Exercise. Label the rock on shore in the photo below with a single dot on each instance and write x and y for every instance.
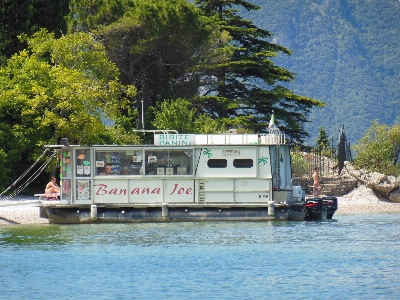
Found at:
(387, 185)
(364, 200)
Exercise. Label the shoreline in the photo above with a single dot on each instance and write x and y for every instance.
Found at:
(25, 210)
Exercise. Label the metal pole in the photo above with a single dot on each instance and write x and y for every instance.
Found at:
(142, 117)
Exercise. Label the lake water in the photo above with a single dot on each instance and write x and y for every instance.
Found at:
(351, 257)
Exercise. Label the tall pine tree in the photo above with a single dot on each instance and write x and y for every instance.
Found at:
(246, 88)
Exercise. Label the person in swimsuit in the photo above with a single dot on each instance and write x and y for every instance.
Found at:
(316, 185)
(52, 188)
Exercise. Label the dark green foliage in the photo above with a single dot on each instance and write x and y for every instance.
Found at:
(248, 86)
(155, 45)
(27, 16)
(88, 14)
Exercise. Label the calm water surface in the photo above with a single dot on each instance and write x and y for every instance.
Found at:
(352, 257)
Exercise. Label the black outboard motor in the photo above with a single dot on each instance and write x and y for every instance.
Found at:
(331, 204)
(314, 207)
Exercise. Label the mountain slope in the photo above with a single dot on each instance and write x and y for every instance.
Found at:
(345, 53)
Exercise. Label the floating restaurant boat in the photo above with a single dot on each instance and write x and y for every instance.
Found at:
(181, 177)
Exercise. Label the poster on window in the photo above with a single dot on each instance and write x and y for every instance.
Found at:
(79, 169)
(136, 158)
(83, 189)
(152, 159)
(86, 170)
(66, 189)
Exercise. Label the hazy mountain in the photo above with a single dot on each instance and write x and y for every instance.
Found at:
(346, 53)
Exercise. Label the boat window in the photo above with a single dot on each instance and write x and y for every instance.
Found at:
(169, 162)
(119, 162)
(217, 163)
(156, 161)
(82, 162)
(243, 163)
(66, 172)
(144, 162)
(66, 162)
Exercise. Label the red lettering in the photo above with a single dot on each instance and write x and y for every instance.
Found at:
(135, 191)
(102, 189)
(175, 187)
(156, 191)
(180, 191)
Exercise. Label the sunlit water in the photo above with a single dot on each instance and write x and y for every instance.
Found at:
(351, 257)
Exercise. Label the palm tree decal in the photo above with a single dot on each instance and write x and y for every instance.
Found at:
(207, 152)
(263, 160)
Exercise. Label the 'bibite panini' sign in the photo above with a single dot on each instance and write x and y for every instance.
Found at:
(174, 139)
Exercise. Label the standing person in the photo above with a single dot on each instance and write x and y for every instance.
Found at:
(316, 185)
(52, 188)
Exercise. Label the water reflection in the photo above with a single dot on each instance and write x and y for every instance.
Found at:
(149, 234)
(28, 235)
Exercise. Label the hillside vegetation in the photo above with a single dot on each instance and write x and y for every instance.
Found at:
(345, 53)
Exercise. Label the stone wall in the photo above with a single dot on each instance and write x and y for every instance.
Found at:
(336, 186)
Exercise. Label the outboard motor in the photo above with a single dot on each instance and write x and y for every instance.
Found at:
(314, 207)
(331, 204)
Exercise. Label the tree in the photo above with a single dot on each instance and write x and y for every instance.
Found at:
(246, 88)
(86, 15)
(154, 45)
(376, 151)
(394, 138)
(56, 88)
(11, 146)
(181, 116)
(322, 140)
(26, 17)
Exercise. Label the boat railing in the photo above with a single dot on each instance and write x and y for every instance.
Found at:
(273, 139)
(240, 139)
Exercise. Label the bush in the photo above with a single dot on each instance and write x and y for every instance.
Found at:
(376, 151)
(299, 164)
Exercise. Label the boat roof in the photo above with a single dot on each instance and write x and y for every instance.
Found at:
(176, 139)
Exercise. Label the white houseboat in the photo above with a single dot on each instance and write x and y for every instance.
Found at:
(181, 177)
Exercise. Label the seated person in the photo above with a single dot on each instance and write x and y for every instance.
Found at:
(52, 188)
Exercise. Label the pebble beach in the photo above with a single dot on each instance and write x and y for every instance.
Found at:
(20, 210)
(25, 210)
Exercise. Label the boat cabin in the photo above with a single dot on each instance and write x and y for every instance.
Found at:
(178, 168)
